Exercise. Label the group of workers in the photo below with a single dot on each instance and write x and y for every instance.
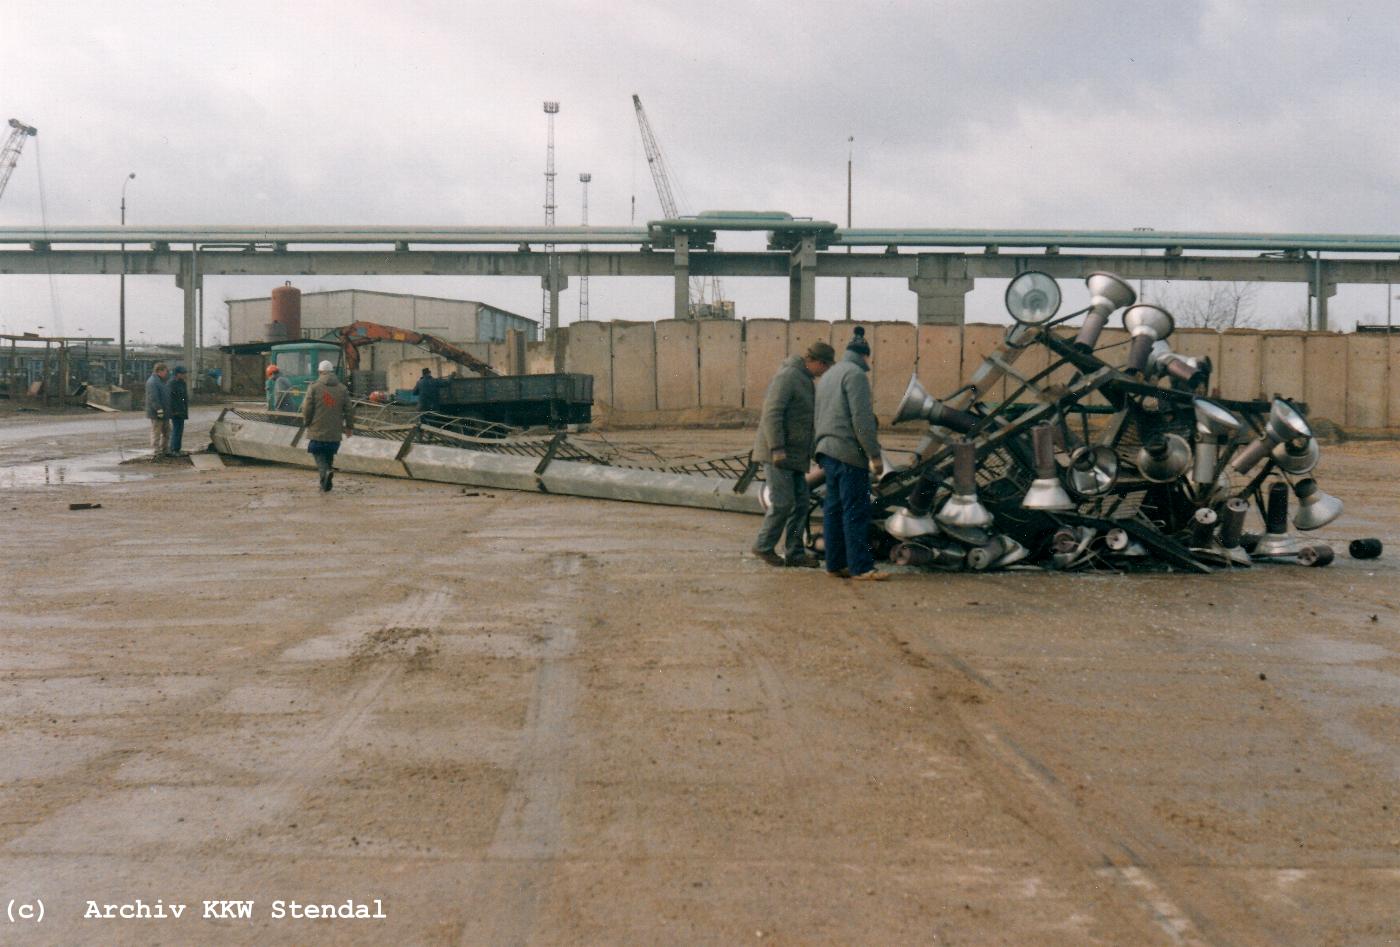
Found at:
(167, 408)
(817, 407)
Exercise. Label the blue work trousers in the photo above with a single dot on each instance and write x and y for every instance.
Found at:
(846, 517)
(788, 498)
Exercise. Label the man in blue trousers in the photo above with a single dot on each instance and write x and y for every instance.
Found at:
(849, 452)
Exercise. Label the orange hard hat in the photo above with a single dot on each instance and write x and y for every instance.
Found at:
(271, 370)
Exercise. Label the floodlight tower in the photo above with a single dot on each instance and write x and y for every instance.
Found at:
(584, 178)
(550, 312)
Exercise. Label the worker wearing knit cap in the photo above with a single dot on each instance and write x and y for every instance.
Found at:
(848, 449)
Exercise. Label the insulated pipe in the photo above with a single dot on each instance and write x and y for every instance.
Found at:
(1202, 526)
(965, 468)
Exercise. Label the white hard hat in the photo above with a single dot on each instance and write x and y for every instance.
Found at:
(326, 367)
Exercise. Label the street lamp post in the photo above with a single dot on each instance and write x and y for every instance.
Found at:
(121, 311)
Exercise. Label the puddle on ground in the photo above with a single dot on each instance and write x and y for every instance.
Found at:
(88, 468)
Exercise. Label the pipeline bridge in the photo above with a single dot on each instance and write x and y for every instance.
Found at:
(939, 265)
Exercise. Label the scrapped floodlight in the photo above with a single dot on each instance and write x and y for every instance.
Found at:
(1186, 368)
(1298, 456)
(1276, 542)
(918, 404)
(1315, 508)
(1214, 426)
(1284, 424)
(1118, 542)
(1232, 530)
(1316, 555)
(998, 553)
(934, 555)
(1045, 492)
(1093, 470)
(1164, 458)
(1107, 294)
(1146, 324)
(963, 509)
(1369, 548)
(1033, 298)
(902, 524)
(1203, 527)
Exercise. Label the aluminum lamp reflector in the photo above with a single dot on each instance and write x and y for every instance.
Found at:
(1093, 471)
(917, 404)
(1033, 298)
(1045, 492)
(1107, 294)
(1315, 508)
(1284, 424)
(1146, 324)
(1164, 458)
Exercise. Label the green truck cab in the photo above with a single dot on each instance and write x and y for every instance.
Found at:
(297, 362)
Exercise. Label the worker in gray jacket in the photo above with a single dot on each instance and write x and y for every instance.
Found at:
(784, 447)
(158, 409)
(328, 415)
(849, 452)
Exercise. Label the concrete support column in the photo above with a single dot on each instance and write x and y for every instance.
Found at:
(680, 306)
(802, 281)
(1320, 289)
(189, 281)
(942, 300)
(555, 282)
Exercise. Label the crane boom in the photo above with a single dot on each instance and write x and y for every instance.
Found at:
(661, 177)
(9, 153)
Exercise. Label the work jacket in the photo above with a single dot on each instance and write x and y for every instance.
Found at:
(326, 409)
(157, 397)
(179, 400)
(786, 421)
(845, 415)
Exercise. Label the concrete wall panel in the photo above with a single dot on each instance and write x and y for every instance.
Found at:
(677, 365)
(589, 351)
(1283, 365)
(940, 358)
(634, 366)
(765, 347)
(895, 353)
(1241, 365)
(1393, 384)
(721, 344)
(1324, 384)
(1366, 365)
(804, 333)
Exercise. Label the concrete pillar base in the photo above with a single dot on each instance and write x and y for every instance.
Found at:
(942, 301)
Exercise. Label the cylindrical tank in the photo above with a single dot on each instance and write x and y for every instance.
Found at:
(285, 325)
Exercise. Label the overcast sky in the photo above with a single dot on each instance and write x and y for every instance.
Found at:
(1225, 115)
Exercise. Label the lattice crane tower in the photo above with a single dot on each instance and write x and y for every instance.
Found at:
(9, 152)
(550, 109)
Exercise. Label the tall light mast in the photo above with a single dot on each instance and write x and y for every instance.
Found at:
(550, 313)
(584, 178)
(9, 152)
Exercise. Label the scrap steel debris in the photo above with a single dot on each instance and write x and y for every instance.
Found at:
(1088, 463)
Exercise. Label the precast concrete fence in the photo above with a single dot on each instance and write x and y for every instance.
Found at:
(1351, 379)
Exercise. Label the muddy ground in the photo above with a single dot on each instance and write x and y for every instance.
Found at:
(512, 718)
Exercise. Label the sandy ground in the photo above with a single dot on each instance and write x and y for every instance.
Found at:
(512, 718)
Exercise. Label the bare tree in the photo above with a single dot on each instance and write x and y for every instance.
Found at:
(1216, 306)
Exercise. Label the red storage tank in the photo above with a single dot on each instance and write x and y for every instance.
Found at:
(286, 315)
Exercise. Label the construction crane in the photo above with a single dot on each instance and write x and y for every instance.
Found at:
(9, 154)
(706, 297)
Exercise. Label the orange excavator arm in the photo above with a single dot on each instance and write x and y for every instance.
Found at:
(359, 334)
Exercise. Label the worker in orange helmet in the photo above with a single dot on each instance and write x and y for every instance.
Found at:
(279, 390)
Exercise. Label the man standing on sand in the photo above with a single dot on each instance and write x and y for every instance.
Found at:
(179, 409)
(158, 409)
(327, 413)
(426, 390)
(784, 447)
(278, 389)
(849, 451)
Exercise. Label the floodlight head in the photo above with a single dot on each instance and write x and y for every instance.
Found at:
(1164, 458)
(918, 404)
(1315, 508)
(1276, 542)
(1214, 425)
(1285, 424)
(1297, 456)
(1033, 298)
(1045, 492)
(1146, 324)
(1163, 361)
(903, 524)
(1092, 470)
(1214, 421)
(963, 510)
(1107, 293)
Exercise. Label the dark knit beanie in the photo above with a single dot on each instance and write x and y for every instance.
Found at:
(858, 343)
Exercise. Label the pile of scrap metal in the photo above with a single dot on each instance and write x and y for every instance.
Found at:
(1122, 466)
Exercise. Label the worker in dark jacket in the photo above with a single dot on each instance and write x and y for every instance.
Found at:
(426, 390)
(784, 447)
(849, 452)
(328, 415)
(179, 408)
(158, 409)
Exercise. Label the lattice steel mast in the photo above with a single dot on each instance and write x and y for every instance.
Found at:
(584, 178)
